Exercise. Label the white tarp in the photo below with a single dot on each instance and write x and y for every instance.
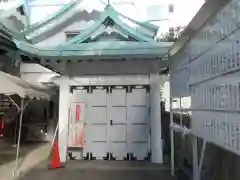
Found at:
(10, 85)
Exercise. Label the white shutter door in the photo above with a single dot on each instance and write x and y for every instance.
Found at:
(117, 123)
(138, 123)
(96, 124)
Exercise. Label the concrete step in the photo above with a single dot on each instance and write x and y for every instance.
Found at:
(115, 165)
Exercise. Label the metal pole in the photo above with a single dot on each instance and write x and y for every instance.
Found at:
(202, 158)
(55, 134)
(19, 137)
(180, 111)
(15, 132)
(15, 129)
(171, 129)
(172, 140)
(14, 103)
(195, 158)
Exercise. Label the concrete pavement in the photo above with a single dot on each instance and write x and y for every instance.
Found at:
(30, 156)
(102, 170)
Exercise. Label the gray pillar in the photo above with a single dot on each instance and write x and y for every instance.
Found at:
(155, 118)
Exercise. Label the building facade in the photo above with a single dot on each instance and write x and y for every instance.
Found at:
(107, 69)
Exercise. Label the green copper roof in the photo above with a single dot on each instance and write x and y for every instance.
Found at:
(56, 15)
(36, 32)
(13, 34)
(135, 42)
(114, 16)
(98, 49)
(147, 25)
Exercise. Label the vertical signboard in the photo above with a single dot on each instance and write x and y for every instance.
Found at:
(76, 125)
(78, 111)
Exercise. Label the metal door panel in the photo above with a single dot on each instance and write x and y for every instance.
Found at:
(97, 98)
(118, 133)
(95, 133)
(138, 133)
(117, 114)
(80, 96)
(96, 115)
(86, 148)
(138, 114)
(118, 149)
(117, 123)
(96, 124)
(98, 149)
(140, 150)
(137, 97)
(117, 97)
(87, 132)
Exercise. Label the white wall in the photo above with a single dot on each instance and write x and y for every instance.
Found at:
(110, 68)
(36, 73)
(110, 80)
(64, 96)
(59, 37)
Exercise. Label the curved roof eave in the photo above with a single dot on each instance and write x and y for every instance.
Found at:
(13, 35)
(136, 34)
(98, 49)
(109, 12)
(85, 34)
(55, 16)
(146, 25)
(150, 27)
(7, 45)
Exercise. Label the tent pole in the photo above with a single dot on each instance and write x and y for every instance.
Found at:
(55, 134)
(15, 129)
(19, 136)
(14, 103)
(15, 132)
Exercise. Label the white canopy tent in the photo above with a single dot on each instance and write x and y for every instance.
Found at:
(11, 85)
(14, 85)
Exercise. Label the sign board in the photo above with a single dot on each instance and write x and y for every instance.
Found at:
(76, 125)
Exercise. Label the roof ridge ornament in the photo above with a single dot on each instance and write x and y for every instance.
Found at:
(107, 5)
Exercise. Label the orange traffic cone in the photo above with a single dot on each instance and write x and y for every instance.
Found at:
(55, 162)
